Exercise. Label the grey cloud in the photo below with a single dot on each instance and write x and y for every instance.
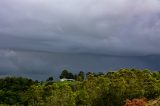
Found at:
(40, 65)
(118, 27)
(41, 37)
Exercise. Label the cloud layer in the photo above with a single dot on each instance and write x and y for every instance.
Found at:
(117, 27)
(39, 38)
(41, 65)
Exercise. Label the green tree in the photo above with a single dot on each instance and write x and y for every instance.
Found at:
(81, 76)
(50, 79)
(66, 74)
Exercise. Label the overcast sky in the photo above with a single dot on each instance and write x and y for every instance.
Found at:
(92, 27)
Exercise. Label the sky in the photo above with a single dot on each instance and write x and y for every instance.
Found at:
(42, 37)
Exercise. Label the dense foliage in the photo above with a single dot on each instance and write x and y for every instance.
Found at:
(119, 88)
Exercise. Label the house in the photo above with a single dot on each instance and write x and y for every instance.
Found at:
(65, 79)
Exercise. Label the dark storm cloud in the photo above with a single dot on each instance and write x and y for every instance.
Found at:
(40, 65)
(118, 27)
(39, 38)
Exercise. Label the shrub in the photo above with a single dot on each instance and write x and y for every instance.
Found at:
(136, 102)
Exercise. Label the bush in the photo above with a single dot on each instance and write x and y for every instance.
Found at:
(136, 102)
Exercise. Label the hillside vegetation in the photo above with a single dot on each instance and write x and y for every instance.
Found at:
(125, 87)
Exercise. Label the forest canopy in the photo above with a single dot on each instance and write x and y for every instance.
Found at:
(118, 88)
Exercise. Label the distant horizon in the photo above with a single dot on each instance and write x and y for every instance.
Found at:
(58, 78)
(40, 65)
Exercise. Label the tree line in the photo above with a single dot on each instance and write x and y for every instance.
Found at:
(78, 77)
(125, 87)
